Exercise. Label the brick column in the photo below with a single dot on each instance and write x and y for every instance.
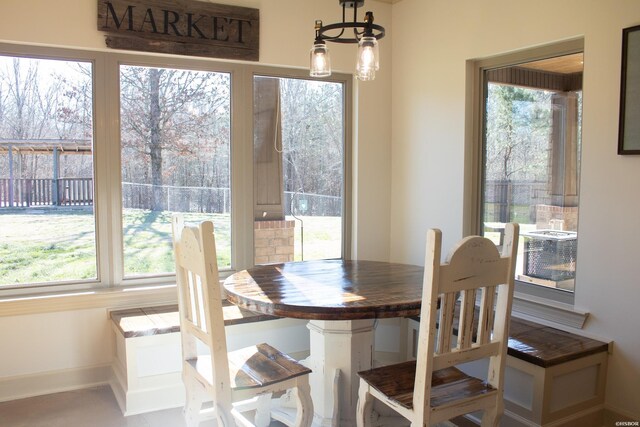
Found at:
(273, 241)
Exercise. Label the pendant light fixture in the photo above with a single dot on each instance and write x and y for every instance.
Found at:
(366, 34)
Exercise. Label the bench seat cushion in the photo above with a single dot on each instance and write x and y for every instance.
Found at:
(145, 321)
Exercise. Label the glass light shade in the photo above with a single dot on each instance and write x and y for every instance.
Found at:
(368, 61)
(366, 75)
(320, 65)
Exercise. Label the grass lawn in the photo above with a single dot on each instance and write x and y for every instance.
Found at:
(39, 247)
(59, 245)
(322, 237)
(147, 240)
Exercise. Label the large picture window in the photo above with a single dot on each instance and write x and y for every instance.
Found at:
(298, 169)
(98, 150)
(531, 165)
(47, 221)
(175, 148)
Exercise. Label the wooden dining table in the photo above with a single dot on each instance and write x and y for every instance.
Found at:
(341, 299)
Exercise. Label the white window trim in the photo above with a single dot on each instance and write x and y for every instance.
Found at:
(550, 312)
(547, 306)
(111, 288)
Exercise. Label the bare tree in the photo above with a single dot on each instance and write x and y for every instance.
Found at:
(183, 113)
(312, 136)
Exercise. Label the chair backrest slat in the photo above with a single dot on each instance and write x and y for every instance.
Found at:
(445, 323)
(474, 265)
(465, 323)
(485, 321)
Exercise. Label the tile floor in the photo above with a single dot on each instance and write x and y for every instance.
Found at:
(93, 407)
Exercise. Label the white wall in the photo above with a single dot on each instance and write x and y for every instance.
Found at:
(53, 351)
(432, 40)
(75, 340)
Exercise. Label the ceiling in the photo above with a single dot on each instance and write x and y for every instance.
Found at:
(567, 64)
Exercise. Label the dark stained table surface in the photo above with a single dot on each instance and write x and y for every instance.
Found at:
(329, 289)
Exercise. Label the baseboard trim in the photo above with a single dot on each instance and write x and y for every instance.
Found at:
(592, 417)
(148, 400)
(613, 414)
(163, 394)
(23, 386)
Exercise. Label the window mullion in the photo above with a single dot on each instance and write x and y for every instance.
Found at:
(241, 170)
(112, 224)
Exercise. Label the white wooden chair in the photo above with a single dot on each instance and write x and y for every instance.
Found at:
(221, 377)
(431, 389)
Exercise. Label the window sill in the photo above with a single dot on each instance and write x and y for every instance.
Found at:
(113, 298)
(547, 312)
(528, 307)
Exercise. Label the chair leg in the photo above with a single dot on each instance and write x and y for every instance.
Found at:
(491, 417)
(224, 418)
(263, 411)
(193, 403)
(365, 406)
(304, 404)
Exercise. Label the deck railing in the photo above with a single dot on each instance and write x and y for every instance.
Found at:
(27, 192)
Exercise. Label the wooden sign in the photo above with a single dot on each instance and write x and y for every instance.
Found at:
(181, 27)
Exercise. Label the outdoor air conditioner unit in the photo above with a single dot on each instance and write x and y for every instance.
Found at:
(550, 254)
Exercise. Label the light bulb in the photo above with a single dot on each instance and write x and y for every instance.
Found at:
(368, 61)
(320, 61)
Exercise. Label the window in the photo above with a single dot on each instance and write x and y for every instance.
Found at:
(47, 221)
(175, 157)
(98, 150)
(298, 169)
(531, 166)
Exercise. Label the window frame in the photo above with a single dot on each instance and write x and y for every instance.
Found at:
(99, 166)
(346, 81)
(107, 171)
(533, 301)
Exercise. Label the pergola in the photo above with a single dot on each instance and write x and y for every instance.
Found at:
(55, 147)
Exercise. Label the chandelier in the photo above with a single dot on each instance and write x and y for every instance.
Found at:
(365, 33)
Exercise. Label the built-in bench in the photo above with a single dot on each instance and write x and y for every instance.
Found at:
(553, 377)
(147, 361)
(145, 321)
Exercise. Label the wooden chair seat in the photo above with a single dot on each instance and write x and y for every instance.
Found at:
(447, 385)
(252, 367)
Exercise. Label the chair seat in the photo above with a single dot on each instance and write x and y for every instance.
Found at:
(253, 367)
(447, 385)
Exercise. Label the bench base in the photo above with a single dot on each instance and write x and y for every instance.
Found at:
(568, 394)
(546, 388)
(147, 370)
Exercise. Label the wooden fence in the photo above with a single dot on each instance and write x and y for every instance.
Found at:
(505, 194)
(46, 192)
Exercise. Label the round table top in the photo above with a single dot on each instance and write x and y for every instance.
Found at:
(329, 289)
